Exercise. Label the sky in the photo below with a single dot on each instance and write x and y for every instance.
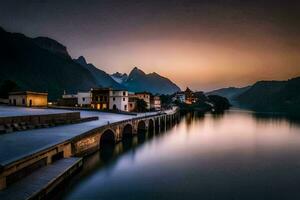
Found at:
(204, 44)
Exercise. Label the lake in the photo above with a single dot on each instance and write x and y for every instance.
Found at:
(235, 155)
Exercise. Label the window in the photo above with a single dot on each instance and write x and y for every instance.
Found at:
(125, 107)
(23, 101)
(83, 99)
(130, 105)
(123, 99)
(114, 98)
(124, 93)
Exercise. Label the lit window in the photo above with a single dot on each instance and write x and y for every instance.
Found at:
(104, 106)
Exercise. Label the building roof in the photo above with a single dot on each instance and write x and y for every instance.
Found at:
(143, 93)
(28, 92)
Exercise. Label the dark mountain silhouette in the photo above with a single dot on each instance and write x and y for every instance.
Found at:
(138, 81)
(41, 64)
(230, 92)
(102, 78)
(274, 96)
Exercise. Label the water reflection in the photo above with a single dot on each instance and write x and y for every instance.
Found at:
(235, 155)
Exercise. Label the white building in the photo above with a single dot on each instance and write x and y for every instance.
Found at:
(118, 100)
(84, 99)
(180, 96)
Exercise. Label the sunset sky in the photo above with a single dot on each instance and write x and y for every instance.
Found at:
(202, 44)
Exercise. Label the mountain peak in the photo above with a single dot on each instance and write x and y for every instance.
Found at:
(81, 60)
(136, 72)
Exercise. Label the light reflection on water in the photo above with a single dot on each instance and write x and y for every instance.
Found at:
(235, 155)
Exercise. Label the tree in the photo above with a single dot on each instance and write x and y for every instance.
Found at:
(220, 103)
(141, 105)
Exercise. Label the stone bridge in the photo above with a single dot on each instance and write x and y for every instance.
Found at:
(86, 143)
(116, 132)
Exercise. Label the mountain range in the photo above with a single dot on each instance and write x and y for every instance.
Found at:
(139, 81)
(270, 96)
(43, 64)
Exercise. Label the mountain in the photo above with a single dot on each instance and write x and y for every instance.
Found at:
(230, 93)
(274, 96)
(44, 65)
(102, 78)
(41, 64)
(138, 81)
(119, 77)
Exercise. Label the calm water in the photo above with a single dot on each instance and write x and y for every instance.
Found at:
(238, 155)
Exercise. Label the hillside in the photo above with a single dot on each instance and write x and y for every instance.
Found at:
(41, 64)
(274, 96)
(230, 92)
(102, 78)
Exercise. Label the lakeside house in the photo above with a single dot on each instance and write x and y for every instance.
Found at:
(155, 103)
(180, 97)
(110, 99)
(187, 96)
(68, 100)
(132, 103)
(118, 100)
(144, 96)
(28, 99)
(100, 98)
(190, 96)
(84, 99)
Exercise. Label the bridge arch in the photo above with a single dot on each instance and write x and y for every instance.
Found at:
(151, 127)
(127, 131)
(141, 127)
(107, 138)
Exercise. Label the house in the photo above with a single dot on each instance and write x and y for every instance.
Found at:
(84, 99)
(28, 99)
(190, 96)
(118, 100)
(132, 104)
(69, 100)
(144, 96)
(180, 97)
(100, 98)
(155, 103)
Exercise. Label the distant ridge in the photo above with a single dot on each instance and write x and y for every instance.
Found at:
(230, 93)
(139, 81)
(269, 96)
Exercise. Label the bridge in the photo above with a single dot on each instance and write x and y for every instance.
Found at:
(116, 132)
(23, 154)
